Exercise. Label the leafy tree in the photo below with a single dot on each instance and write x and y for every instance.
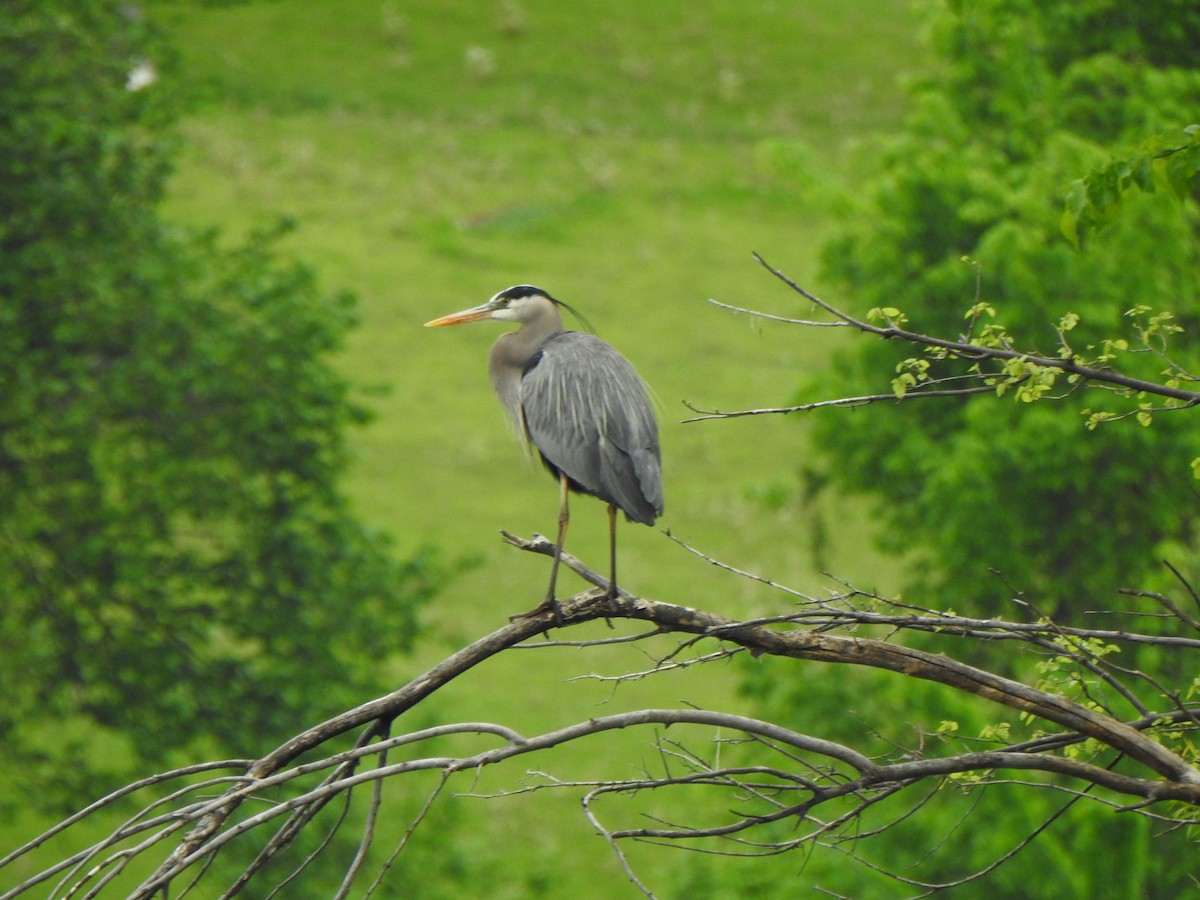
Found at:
(966, 207)
(176, 561)
(1000, 830)
(961, 235)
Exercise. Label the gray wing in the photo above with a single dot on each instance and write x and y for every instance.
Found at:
(586, 410)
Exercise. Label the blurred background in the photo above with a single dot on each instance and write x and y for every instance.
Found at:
(349, 171)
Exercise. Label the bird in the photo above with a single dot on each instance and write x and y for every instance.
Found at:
(581, 405)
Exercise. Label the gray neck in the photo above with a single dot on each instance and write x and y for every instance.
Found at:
(506, 362)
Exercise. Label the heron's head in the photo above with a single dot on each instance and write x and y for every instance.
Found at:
(522, 303)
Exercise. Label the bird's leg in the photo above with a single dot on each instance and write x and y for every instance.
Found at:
(564, 517)
(612, 551)
(612, 556)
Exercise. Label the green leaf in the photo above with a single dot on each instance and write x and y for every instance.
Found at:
(1168, 161)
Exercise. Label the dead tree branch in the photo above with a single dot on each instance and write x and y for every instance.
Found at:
(809, 774)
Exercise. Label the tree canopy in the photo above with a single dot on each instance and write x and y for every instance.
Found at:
(1040, 200)
(177, 562)
(967, 207)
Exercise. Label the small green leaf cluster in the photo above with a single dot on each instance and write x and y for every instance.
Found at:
(1166, 162)
(889, 314)
(1032, 381)
(1062, 667)
(912, 371)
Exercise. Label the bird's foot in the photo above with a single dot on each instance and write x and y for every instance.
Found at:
(611, 595)
(611, 606)
(549, 605)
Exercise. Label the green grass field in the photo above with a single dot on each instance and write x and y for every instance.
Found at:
(628, 158)
(630, 164)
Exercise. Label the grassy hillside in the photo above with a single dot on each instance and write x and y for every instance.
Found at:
(628, 157)
(434, 153)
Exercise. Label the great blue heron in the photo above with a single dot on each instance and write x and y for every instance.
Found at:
(582, 405)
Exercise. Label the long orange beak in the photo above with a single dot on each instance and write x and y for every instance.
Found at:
(475, 314)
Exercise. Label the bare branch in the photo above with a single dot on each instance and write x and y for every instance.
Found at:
(814, 773)
(963, 349)
(915, 394)
(811, 323)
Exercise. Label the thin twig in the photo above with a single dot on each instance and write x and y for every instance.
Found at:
(973, 351)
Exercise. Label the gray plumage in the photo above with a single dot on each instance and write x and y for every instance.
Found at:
(585, 410)
(578, 402)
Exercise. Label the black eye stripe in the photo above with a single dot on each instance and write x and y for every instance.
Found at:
(519, 291)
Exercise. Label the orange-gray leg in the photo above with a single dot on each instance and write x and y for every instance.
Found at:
(564, 516)
(612, 551)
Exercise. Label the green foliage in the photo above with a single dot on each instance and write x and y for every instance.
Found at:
(942, 832)
(1169, 162)
(965, 213)
(177, 562)
(1046, 491)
